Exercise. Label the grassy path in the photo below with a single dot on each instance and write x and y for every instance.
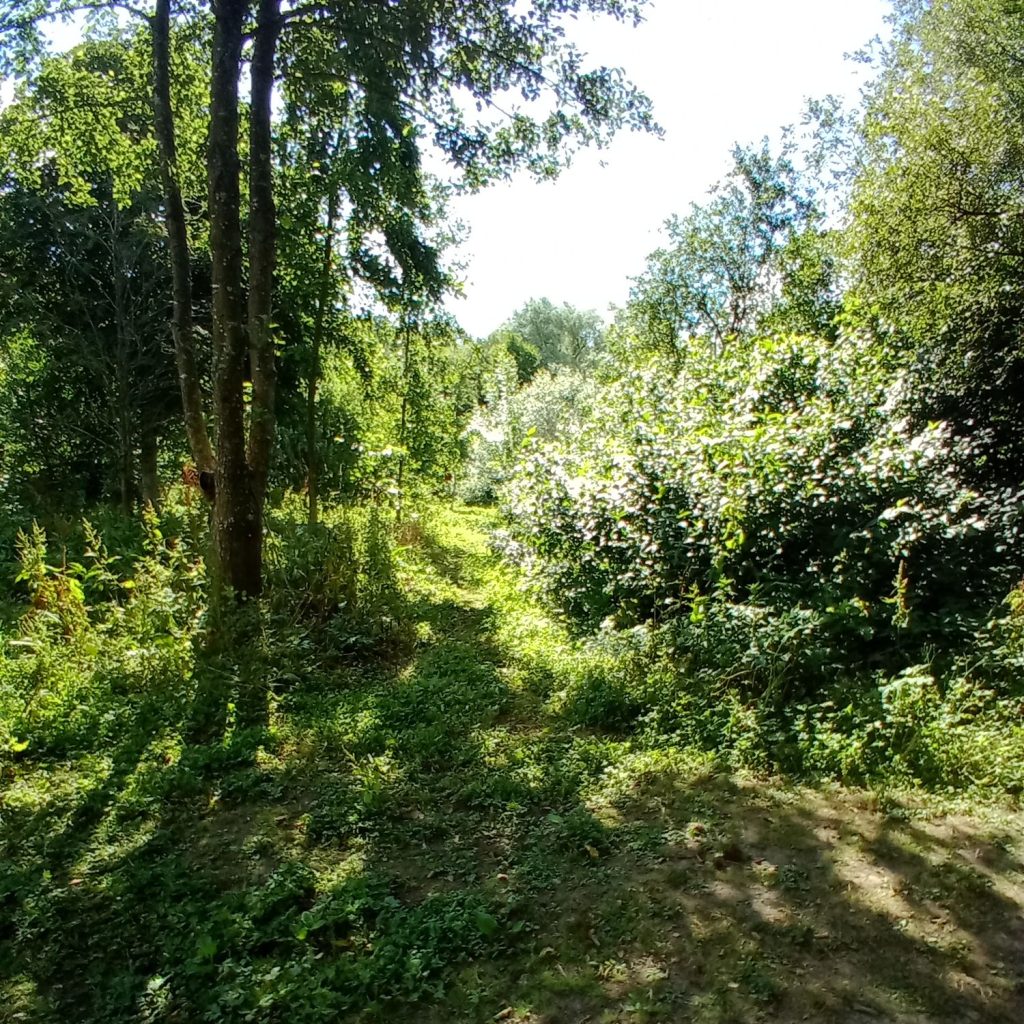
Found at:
(426, 838)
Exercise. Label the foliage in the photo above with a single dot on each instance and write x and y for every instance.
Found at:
(770, 524)
(935, 216)
(284, 829)
(541, 334)
(392, 402)
(79, 219)
(771, 476)
(384, 85)
(752, 258)
(550, 405)
(337, 575)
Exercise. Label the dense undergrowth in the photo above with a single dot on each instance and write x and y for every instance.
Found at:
(706, 705)
(391, 788)
(763, 560)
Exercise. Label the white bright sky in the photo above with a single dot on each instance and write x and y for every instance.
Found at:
(719, 72)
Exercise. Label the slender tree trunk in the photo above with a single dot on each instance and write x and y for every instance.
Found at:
(126, 460)
(312, 439)
(239, 324)
(126, 475)
(405, 410)
(125, 433)
(262, 243)
(177, 242)
(236, 507)
(148, 471)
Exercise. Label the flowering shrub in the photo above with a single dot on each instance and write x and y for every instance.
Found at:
(777, 477)
(552, 403)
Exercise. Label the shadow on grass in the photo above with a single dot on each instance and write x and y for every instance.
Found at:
(723, 903)
(423, 840)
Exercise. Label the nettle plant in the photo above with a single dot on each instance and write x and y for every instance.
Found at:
(775, 474)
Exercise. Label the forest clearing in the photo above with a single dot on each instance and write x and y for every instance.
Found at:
(660, 664)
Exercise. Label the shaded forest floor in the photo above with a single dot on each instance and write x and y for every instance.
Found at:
(422, 838)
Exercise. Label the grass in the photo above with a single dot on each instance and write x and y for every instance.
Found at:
(433, 832)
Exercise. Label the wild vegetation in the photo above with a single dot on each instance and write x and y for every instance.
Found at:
(356, 669)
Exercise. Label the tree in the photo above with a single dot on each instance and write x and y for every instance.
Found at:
(406, 68)
(732, 260)
(937, 216)
(102, 366)
(559, 335)
(84, 276)
(326, 153)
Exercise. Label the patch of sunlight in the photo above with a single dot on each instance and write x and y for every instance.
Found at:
(125, 829)
(465, 529)
(20, 998)
(155, 1001)
(55, 794)
(268, 762)
(142, 786)
(604, 813)
(375, 771)
(680, 767)
(881, 890)
(503, 746)
(531, 775)
(409, 673)
(51, 786)
(344, 725)
(618, 977)
(333, 871)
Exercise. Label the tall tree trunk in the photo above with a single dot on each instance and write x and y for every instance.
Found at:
(262, 243)
(177, 242)
(326, 279)
(406, 330)
(148, 471)
(240, 468)
(124, 339)
(236, 506)
(126, 454)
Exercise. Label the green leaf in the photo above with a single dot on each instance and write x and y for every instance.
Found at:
(486, 924)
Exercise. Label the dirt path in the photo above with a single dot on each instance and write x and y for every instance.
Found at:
(681, 894)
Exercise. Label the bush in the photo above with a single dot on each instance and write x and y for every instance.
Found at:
(553, 403)
(98, 650)
(770, 478)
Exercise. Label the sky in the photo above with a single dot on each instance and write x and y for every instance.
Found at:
(718, 72)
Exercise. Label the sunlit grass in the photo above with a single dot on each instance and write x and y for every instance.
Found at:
(439, 833)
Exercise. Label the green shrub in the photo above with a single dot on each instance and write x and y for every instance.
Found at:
(96, 653)
(769, 481)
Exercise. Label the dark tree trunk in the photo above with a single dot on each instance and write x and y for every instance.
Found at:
(148, 471)
(242, 468)
(236, 516)
(406, 329)
(177, 242)
(126, 474)
(240, 325)
(312, 439)
(125, 431)
(126, 457)
(262, 244)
